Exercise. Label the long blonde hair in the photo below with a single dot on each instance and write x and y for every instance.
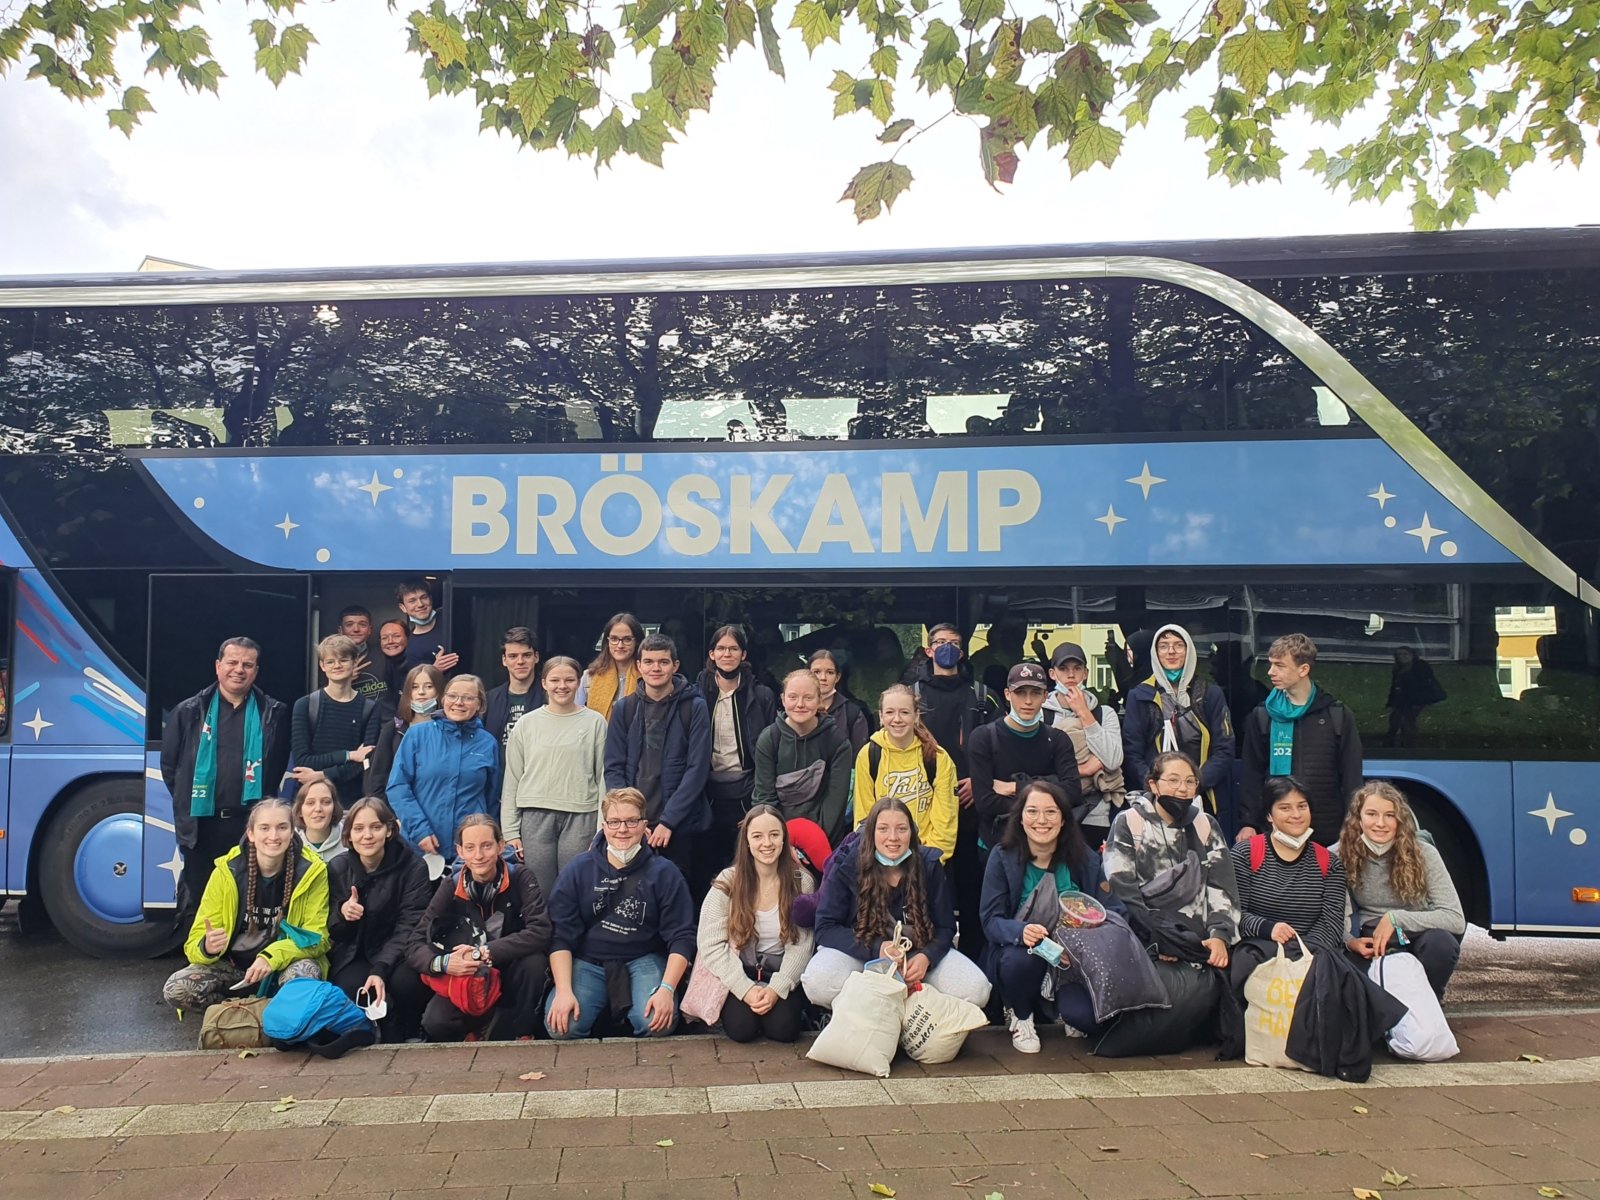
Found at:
(1407, 874)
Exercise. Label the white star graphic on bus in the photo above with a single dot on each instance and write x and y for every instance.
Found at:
(38, 724)
(1549, 814)
(1111, 520)
(373, 488)
(175, 865)
(1382, 495)
(1145, 480)
(1426, 532)
(287, 526)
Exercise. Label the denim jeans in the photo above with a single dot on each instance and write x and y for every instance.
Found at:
(589, 986)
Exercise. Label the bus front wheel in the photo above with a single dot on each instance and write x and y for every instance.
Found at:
(90, 873)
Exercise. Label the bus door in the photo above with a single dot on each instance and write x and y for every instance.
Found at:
(190, 617)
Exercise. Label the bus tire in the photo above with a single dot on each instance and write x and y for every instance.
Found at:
(89, 869)
(1459, 849)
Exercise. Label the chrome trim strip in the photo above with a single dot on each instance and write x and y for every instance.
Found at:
(1353, 388)
(1546, 928)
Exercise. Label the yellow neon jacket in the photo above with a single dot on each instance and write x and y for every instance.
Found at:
(307, 909)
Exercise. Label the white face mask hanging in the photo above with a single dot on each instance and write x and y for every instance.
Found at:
(1293, 843)
(1377, 849)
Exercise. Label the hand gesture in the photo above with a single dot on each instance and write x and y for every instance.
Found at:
(375, 989)
(893, 952)
(352, 909)
(760, 999)
(1246, 832)
(445, 660)
(258, 970)
(304, 775)
(1032, 935)
(215, 941)
(1363, 946)
(562, 1012)
(1079, 704)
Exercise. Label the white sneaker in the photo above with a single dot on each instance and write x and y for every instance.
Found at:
(1024, 1036)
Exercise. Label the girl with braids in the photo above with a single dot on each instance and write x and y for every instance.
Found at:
(880, 877)
(748, 938)
(1403, 896)
(263, 919)
(903, 762)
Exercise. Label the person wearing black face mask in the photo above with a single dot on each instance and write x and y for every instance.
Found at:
(1164, 853)
(740, 708)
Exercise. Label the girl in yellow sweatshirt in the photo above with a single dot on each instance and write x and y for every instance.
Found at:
(903, 761)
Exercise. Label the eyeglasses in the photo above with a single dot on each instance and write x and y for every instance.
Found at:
(1179, 781)
(945, 642)
(615, 823)
(619, 641)
(453, 698)
(727, 649)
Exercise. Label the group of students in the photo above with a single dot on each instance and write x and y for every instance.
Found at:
(587, 815)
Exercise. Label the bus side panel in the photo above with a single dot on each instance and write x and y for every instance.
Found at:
(5, 823)
(1479, 791)
(38, 776)
(1557, 827)
(162, 860)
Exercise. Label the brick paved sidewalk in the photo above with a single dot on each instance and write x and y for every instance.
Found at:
(746, 1121)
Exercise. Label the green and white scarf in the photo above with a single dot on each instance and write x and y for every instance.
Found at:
(1284, 714)
(203, 793)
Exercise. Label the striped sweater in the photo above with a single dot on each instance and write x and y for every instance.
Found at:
(1294, 892)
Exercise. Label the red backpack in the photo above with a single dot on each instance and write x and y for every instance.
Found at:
(1258, 854)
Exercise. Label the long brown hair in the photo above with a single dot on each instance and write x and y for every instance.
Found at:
(930, 747)
(402, 706)
(742, 886)
(252, 870)
(873, 922)
(1407, 874)
(603, 660)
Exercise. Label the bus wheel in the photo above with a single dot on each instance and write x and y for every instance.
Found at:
(90, 873)
(1458, 848)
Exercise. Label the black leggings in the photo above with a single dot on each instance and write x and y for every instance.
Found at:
(519, 1013)
(407, 995)
(1021, 975)
(780, 1023)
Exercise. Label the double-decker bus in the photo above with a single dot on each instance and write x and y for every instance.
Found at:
(1385, 442)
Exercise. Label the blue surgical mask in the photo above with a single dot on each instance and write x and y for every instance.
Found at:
(421, 622)
(425, 706)
(1061, 688)
(1027, 722)
(946, 655)
(890, 862)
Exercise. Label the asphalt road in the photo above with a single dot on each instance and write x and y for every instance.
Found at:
(54, 1001)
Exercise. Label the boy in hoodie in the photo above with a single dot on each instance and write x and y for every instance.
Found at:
(624, 929)
(1300, 731)
(1096, 740)
(1173, 709)
(659, 741)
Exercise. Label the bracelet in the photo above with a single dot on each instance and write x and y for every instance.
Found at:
(669, 988)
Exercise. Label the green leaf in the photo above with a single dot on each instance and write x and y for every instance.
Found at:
(270, 62)
(740, 21)
(1091, 143)
(885, 62)
(1227, 14)
(608, 138)
(975, 14)
(815, 23)
(940, 65)
(296, 41)
(531, 96)
(443, 40)
(874, 189)
(647, 138)
(1250, 56)
(895, 132)
(1040, 36)
(265, 33)
(769, 40)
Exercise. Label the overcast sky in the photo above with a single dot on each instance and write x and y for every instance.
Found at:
(353, 164)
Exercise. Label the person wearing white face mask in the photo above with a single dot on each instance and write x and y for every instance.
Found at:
(1290, 887)
(1404, 898)
(624, 929)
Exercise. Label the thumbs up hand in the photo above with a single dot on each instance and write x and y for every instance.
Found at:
(215, 941)
(352, 909)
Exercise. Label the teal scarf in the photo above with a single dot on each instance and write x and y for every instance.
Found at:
(203, 793)
(1281, 740)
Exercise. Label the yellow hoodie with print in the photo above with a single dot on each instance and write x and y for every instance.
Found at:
(904, 775)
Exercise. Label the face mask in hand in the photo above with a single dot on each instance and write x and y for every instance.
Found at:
(946, 655)
(1293, 843)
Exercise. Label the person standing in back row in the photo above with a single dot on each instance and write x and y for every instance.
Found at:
(1302, 731)
(1096, 741)
(335, 728)
(740, 708)
(218, 749)
(520, 693)
(1173, 709)
(425, 626)
(1012, 752)
(659, 742)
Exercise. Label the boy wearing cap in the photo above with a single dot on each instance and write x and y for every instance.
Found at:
(1096, 740)
(1008, 754)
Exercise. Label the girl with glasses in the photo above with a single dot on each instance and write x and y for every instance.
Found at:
(624, 930)
(446, 769)
(614, 673)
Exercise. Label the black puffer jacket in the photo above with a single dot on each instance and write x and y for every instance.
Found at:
(754, 708)
(1327, 760)
(395, 896)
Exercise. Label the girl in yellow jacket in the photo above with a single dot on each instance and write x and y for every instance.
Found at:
(903, 761)
(264, 913)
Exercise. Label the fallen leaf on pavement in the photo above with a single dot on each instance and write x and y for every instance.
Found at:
(1366, 1194)
(66, 1110)
(1552, 1192)
(530, 1076)
(1516, 1154)
(1394, 1177)
(1258, 1154)
(1361, 1109)
(280, 1107)
(1110, 1149)
(1529, 1058)
(881, 1189)
(995, 1196)
(1324, 1153)
(249, 1053)
(287, 1100)
(665, 1143)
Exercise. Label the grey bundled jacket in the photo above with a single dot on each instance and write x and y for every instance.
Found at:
(1186, 869)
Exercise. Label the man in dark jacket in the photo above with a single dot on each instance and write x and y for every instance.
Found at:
(739, 708)
(659, 741)
(1174, 709)
(952, 707)
(520, 693)
(221, 751)
(1304, 732)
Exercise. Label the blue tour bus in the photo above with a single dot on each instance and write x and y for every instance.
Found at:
(1385, 442)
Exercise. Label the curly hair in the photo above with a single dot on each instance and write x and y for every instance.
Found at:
(253, 869)
(1407, 874)
(874, 922)
(741, 887)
